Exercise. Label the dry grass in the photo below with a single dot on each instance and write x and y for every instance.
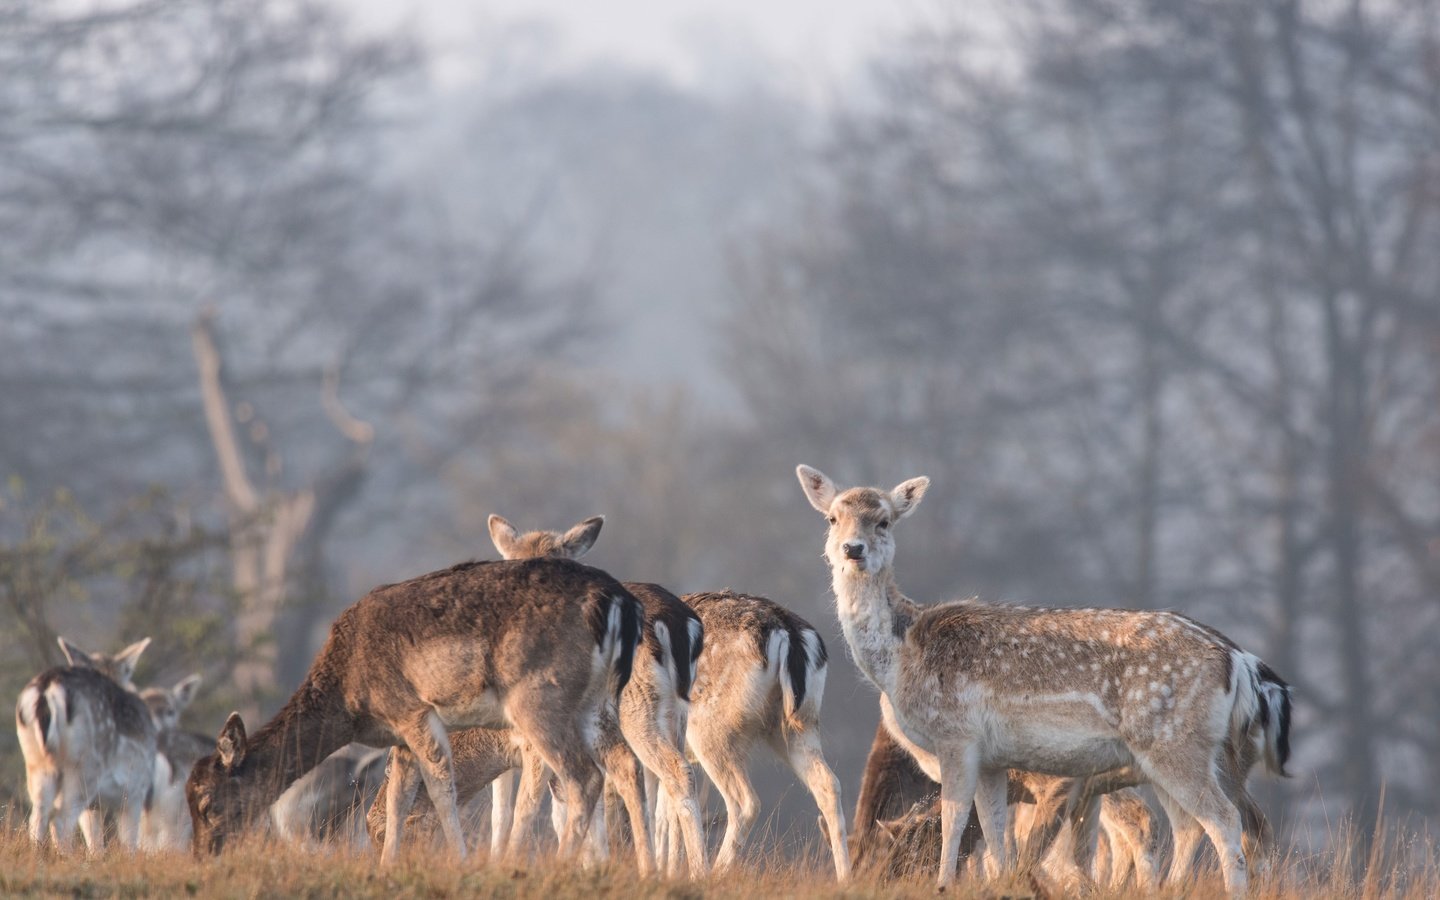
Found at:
(1399, 867)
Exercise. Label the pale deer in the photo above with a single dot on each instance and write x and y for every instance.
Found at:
(654, 707)
(89, 746)
(328, 803)
(536, 645)
(761, 680)
(166, 822)
(972, 690)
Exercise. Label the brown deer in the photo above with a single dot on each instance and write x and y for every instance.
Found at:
(654, 707)
(972, 690)
(535, 645)
(89, 746)
(761, 679)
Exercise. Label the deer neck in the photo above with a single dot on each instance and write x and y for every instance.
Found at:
(313, 725)
(874, 617)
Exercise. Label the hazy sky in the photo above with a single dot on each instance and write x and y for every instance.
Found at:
(814, 42)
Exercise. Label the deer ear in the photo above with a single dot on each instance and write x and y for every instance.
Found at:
(126, 660)
(907, 494)
(184, 692)
(818, 487)
(232, 744)
(503, 535)
(74, 655)
(578, 540)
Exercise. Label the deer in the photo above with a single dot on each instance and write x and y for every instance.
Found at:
(895, 800)
(760, 680)
(328, 802)
(89, 746)
(535, 645)
(165, 823)
(973, 690)
(655, 706)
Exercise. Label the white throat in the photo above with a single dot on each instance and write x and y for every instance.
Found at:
(867, 620)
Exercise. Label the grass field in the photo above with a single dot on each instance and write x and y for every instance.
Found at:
(1398, 867)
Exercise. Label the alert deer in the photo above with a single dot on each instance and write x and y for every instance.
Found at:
(166, 821)
(535, 645)
(654, 707)
(761, 679)
(89, 746)
(972, 690)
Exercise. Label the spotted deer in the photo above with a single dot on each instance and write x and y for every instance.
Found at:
(760, 680)
(166, 821)
(89, 747)
(972, 690)
(536, 645)
(653, 709)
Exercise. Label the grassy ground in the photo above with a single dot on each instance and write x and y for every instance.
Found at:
(1398, 868)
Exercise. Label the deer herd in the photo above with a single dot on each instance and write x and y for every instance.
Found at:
(605, 695)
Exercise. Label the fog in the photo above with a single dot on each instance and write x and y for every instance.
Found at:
(1149, 291)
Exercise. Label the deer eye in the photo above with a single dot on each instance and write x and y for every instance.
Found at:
(832, 520)
(882, 524)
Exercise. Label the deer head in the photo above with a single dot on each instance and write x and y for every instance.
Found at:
(166, 704)
(860, 540)
(217, 790)
(573, 544)
(120, 667)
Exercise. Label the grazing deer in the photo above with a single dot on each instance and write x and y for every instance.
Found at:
(166, 821)
(480, 756)
(89, 746)
(761, 679)
(534, 645)
(654, 707)
(972, 690)
(893, 785)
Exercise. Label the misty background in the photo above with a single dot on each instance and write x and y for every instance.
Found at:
(293, 294)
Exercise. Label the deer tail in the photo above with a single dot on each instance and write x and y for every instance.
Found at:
(1262, 711)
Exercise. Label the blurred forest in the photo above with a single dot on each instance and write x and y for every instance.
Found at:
(1150, 290)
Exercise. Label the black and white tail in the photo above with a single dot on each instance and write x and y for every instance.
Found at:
(1262, 710)
(797, 657)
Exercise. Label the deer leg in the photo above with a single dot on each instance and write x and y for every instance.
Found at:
(807, 759)
(959, 778)
(534, 775)
(627, 777)
(502, 811)
(1201, 796)
(556, 738)
(1185, 834)
(402, 778)
(990, 795)
(42, 785)
(723, 753)
(673, 778)
(127, 821)
(92, 829)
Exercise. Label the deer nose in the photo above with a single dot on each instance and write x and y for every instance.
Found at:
(854, 550)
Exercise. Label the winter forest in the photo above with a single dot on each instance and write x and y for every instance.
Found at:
(1149, 290)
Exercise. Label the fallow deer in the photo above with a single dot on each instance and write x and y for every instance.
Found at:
(972, 690)
(329, 802)
(89, 746)
(654, 708)
(535, 645)
(166, 822)
(1046, 805)
(761, 679)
